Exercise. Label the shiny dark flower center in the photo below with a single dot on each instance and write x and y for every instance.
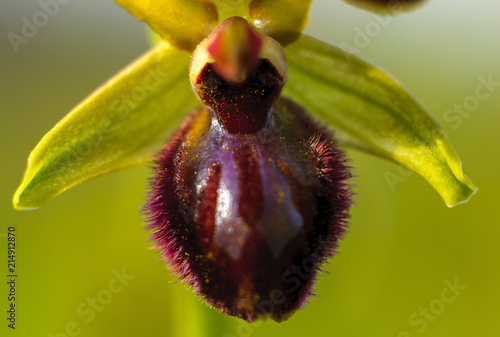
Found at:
(250, 195)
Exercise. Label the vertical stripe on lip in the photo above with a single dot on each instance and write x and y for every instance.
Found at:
(208, 198)
(231, 226)
(251, 195)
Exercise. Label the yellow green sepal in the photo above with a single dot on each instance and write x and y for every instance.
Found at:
(122, 124)
(374, 113)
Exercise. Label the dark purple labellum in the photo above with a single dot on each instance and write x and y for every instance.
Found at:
(248, 219)
(250, 195)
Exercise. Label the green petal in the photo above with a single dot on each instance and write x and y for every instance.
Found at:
(386, 7)
(120, 125)
(184, 23)
(375, 112)
(283, 20)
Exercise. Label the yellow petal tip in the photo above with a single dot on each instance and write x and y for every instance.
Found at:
(18, 204)
(469, 189)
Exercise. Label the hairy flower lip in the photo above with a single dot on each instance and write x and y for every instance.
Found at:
(214, 212)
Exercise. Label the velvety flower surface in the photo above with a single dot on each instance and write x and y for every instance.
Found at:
(234, 221)
(249, 187)
(243, 196)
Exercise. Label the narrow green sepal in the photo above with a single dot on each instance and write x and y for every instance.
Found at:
(122, 124)
(374, 113)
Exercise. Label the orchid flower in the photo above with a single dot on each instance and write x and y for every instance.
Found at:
(253, 183)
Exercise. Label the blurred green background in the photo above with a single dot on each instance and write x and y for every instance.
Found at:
(404, 248)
